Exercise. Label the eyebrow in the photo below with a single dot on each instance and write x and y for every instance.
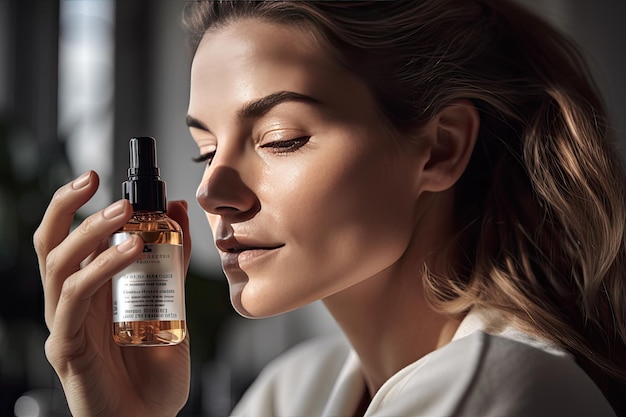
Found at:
(259, 107)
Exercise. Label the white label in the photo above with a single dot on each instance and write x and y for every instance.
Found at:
(151, 288)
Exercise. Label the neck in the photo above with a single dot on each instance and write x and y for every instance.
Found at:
(386, 317)
(391, 331)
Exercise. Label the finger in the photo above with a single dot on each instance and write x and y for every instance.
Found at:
(84, 242)
(77, 290)
(177, 210)
(104, 245)
(59, 215)
(92, 233)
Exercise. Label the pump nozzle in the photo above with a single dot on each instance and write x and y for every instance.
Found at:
(144, 187)
(143, 160)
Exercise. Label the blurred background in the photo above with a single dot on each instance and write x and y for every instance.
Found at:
(78, 78)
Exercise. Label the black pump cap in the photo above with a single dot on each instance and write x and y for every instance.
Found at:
(144, 188)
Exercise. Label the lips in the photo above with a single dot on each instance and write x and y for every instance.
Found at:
(239, 253)
(234, 245)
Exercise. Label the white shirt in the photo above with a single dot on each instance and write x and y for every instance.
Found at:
(488, 369)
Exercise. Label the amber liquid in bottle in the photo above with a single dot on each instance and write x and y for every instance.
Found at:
(148, 296)
(153, 298)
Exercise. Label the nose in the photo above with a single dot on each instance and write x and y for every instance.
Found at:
(225, 194)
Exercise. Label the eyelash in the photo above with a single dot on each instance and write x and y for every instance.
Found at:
(286, 146)
(281, 146)
(205, 157)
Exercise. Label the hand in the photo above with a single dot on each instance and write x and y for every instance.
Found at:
(99, 377)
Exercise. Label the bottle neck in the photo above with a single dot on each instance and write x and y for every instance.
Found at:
(144, 216)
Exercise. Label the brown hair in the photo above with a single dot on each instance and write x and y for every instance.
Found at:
(540, 210)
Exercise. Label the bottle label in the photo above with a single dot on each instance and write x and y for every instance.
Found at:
(151, 288)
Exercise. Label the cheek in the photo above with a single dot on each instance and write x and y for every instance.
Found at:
(353, 219)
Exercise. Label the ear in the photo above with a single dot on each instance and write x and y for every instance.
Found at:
(451, 136)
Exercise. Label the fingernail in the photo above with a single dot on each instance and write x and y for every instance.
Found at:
(114, 209)
(127, 245)
(81, 181)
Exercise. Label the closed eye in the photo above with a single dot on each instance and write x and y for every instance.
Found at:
(204, 158)
(279, 146)
(285, 146)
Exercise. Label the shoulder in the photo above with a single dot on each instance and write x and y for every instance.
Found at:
(488, 375)
(300, 379)
(534, 381)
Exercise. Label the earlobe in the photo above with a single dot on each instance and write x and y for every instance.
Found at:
(452, 136)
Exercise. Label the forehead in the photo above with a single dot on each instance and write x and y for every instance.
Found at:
(250, 58)
(256, 36)
(251, 47)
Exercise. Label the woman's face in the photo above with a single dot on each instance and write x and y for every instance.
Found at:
(305, 190)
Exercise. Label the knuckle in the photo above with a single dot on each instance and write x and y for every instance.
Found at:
(54, 353)
(86, 227)
(39, 242)
(67, 288)
(57, 198)
(102, 262)
(51, 263)
(51, 349)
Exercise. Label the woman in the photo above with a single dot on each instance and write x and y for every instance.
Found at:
(439, 175)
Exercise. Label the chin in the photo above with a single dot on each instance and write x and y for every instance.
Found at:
(250, 310)
(235, 300)
(254, 308)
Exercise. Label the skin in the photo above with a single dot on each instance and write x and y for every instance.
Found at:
(324, 202)
(348, 215)
(98, 376)
(307, 198)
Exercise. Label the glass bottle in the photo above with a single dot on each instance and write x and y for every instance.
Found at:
(148, 295)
